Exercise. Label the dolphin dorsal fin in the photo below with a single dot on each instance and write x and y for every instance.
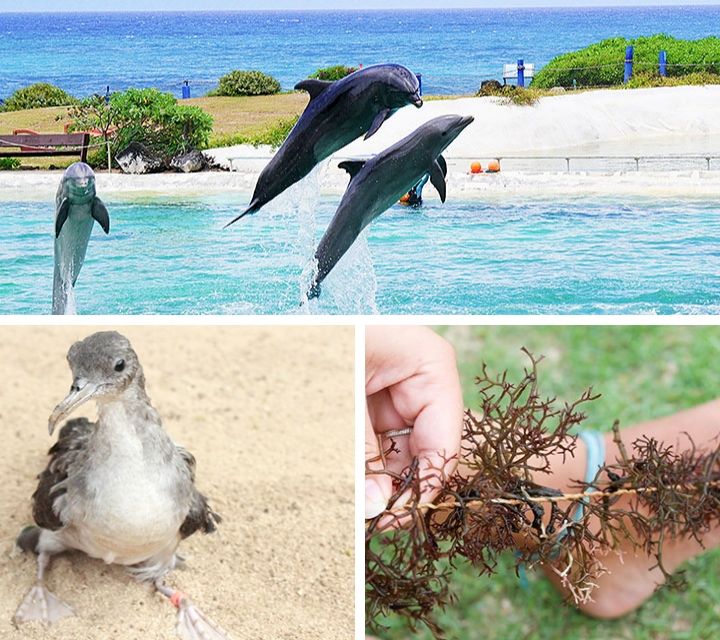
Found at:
(313, 87)
(437, 176)
(352, 166)
(100, 214)
(61, 215)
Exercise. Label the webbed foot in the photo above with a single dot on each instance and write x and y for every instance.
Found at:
(193, 624)
(42, 606)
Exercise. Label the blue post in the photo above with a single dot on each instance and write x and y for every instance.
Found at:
(628, 64)
(107, 94)
(185, 90)
(419, 77)
(521, 73)
(662, 66)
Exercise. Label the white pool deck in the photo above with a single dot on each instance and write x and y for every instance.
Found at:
(41, 186)
(678, 126)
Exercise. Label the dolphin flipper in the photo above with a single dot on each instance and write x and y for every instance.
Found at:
(377, 122)
(313, 87)
(62, 215)
(100, 214)
(352, 166)
(443, 164)
(437, 178)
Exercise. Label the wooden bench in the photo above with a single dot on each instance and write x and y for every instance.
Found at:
(510, 72)
(45, 144)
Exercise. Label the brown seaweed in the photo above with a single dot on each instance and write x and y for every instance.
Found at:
(495, 505)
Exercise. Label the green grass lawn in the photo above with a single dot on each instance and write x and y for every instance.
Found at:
(641, 372)
(231, 116)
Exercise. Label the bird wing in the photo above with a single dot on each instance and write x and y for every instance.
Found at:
(201, 516)
(71, 446)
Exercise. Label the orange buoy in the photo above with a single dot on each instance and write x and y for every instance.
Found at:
(493, 166)
(475, 167)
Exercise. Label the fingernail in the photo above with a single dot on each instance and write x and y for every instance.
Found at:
(375, 500)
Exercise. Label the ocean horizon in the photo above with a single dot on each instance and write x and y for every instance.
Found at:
(453, 49)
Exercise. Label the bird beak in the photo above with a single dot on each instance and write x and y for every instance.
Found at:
(80, 392)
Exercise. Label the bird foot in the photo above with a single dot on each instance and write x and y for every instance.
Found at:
(193, 624)
(42, 606)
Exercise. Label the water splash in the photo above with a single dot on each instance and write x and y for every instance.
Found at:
(307, 196)
(351, 287)
(70, 301)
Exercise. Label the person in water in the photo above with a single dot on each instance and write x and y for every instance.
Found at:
(413, 198)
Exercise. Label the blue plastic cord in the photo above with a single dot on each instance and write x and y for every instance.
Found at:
(595, 454)
(595, 447)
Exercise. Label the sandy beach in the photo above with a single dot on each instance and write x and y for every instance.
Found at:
(268, 413)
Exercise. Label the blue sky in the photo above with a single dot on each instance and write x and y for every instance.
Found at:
(210, 5)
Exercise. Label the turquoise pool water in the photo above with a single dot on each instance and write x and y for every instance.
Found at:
(534, 256)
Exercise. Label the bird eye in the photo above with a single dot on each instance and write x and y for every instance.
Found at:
(120, 365)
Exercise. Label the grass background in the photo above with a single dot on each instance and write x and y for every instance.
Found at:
(241, 116)
(641, 372)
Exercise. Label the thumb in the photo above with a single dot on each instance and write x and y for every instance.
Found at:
(378, 487)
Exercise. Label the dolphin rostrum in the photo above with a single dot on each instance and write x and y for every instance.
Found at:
(76, 208)
(376, 184)
(338, 113)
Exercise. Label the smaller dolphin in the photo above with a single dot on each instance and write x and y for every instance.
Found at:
(338, 113)
(378, 183)
(76, 208)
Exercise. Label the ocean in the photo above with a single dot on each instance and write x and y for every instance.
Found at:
(453, 49)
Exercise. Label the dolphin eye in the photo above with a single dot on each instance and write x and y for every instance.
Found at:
(120, 365)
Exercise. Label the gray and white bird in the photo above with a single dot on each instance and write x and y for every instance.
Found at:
(119, 489)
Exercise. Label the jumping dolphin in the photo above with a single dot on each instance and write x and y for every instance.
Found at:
(76, 207)
(376, 184)
(338, 113)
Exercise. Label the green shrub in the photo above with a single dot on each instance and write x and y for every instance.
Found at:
(274, 135)
(602, 64)
(97, 158)
(246, 83)
(510, 94)
(7, 164)
(147, 116)
(336, 72)
(37, 96)
(648, 79)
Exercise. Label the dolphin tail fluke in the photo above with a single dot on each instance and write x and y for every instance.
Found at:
(254, 206)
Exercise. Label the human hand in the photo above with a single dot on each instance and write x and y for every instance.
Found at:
(411, 380)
